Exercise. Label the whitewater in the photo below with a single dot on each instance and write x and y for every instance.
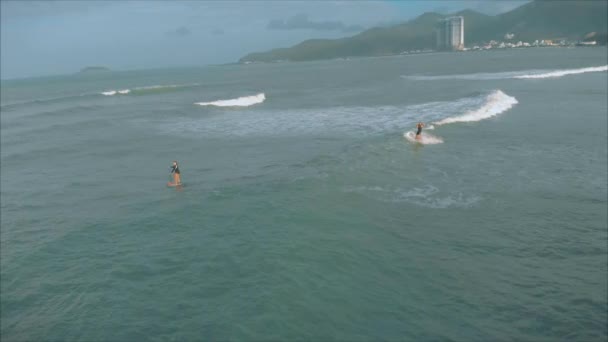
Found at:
(524, 74)
(244, 101)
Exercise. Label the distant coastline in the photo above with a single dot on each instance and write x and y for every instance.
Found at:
(93, 69)
(535, 24)
(494, 48)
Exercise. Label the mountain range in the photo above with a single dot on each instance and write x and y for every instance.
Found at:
(536, 20)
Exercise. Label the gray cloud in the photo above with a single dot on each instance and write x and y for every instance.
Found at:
(302, 22)
(180, 32)
(18, 9)
(68, 32)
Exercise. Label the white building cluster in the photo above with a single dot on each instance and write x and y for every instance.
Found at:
(449, 34)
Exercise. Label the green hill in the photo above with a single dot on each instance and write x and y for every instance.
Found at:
(534, 20)
(555, 19)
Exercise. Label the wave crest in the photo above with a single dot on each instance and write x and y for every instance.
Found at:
(525, 74)
(560, 73)
(244, 101)
(495, 103)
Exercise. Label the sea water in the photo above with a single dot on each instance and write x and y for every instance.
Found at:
(306, 213)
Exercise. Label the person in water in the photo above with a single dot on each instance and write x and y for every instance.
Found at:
(419, 130)
(177, 180)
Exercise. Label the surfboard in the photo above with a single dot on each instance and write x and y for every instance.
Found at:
(425, 138)
(411, 137)
(173, 184)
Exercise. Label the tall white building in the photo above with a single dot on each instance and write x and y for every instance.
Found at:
(450, 34)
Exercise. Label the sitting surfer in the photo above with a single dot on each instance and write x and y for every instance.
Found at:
(176, 174)
(419, 130)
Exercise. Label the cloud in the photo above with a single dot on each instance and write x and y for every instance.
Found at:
(19, 9)
(68, 32)
(302, 22)
(181, 31)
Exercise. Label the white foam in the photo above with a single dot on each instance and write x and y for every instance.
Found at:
(482, 76)
(495, 103)
(560, 73)
(524, 74)
(425, 138)
(114, 92)
(244, 101)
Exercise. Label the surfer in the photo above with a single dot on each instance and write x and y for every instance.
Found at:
(419, 130)
(176, 174)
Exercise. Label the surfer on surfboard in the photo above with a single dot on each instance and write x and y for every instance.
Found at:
(177, 180)
(419, 130)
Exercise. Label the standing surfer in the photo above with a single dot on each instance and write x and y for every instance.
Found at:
(419, 130)
(177, 180)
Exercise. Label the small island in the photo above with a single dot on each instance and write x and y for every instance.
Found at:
(93, 69)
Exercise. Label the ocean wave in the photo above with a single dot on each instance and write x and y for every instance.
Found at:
(524, 74)
(154, 89)
(560, 73)
(9, 106)
(244, 101)
(148, 89)
(114, 92)
(495, 103)
(339, 121)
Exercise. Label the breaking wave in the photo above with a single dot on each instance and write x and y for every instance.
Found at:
(114, 92)
(525, 74)
(475, 109)
(496, 102)
(560, 73)
(338, 120)
(244, 101)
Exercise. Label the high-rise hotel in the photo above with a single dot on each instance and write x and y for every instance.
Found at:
(450, 34)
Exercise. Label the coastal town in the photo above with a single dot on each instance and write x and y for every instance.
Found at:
(450, 36)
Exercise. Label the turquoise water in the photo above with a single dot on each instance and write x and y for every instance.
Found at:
(305, 213)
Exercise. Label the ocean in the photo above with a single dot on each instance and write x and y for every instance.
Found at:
(306, 212)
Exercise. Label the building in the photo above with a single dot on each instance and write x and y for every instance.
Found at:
(449, 34)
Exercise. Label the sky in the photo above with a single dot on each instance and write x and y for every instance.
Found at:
(39, 38)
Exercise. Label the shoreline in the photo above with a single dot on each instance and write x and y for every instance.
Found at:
(427, 52)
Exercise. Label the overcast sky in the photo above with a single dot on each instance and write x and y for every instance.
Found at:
(58, 37)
